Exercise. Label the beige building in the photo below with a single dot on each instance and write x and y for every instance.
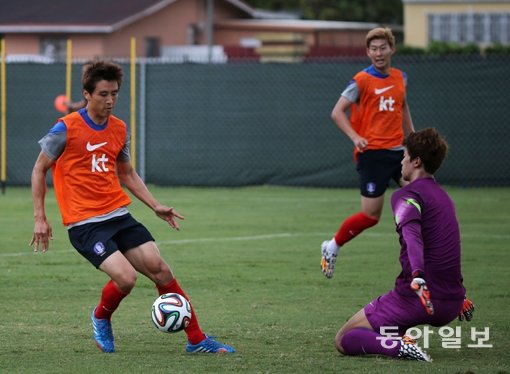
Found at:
(483, 22)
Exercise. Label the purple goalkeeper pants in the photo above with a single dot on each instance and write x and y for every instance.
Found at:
(399, 313)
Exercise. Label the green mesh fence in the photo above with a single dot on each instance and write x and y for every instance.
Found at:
(249, 123)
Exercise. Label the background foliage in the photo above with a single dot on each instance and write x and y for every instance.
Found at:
(382, 11)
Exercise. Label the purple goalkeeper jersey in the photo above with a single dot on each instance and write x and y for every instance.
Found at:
(429, 237)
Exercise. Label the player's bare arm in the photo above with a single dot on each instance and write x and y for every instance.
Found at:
(407, 121)
(339, 117)
(130, 178)
(42, 229)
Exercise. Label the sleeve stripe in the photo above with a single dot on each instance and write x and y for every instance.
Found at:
(413, 202)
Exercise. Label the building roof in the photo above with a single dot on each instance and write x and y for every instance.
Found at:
(76, 16)
(298, 24)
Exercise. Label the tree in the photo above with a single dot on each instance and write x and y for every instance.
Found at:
(379, 11)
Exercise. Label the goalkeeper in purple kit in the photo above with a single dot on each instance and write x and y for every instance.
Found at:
(429, 288)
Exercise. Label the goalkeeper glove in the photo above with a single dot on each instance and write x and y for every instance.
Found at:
(466, 312)
(419, 286)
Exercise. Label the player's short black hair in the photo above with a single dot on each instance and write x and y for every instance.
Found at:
(99, 70)
(429, 146)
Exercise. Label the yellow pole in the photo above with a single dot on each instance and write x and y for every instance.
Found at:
(133, 102)
(69, 67)
(3, 122)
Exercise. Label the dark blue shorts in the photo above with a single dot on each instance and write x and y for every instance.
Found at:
(96, 241)
(376, 168)
(402, 312)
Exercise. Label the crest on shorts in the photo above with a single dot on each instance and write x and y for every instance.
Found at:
(99, 248)
(371, 187)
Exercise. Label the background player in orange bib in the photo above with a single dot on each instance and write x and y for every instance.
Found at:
(88, 152)
(379, 120)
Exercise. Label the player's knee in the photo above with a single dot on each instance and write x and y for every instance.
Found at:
(126, 282)
(159, 271)
(164, 274)
(338, 343)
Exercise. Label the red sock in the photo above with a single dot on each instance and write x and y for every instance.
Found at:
(353, 226)
(193, 331)
(111, 297)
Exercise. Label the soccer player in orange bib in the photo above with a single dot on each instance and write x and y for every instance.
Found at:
(89, 154)
(379, 120)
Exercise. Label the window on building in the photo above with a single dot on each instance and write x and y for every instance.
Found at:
(53, 47)
(152, 46)
(481, 28)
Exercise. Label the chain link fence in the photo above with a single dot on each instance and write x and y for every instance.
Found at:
(250, 123)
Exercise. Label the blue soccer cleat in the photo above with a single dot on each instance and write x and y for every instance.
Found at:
(209, 345)
(103, 334)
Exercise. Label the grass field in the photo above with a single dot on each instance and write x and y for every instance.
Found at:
(249, 259)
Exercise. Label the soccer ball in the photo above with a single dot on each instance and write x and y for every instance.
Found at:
(171, 312)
